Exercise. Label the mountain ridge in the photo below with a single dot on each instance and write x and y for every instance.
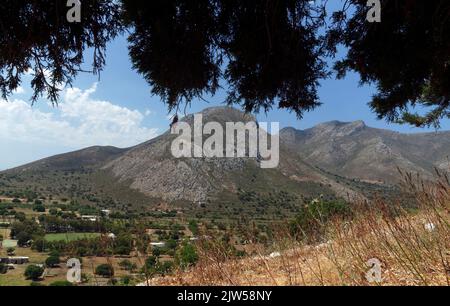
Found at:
(337, 159)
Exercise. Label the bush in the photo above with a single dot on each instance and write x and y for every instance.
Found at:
(105, 270)
(126, 280)
(193, 227)
(39, 245)
(39, 208)
(127, 265)
(11, 251)
(150, 263)
(187, 255)
(156, 252)
(33, 272)
(165, 267)
(52, 261)
(23, 238)
(3, 268)
(123, 244)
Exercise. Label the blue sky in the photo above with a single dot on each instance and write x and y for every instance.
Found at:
(119, 110)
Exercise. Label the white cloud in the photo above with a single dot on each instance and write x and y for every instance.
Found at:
(79, 121)
(19, 90)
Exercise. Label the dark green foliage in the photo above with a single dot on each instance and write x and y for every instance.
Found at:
(3, 268)
(105, 270)
(271, 53)
(156, 252)
(36, 35)
(39, 245)
(10, 251)
(33, 272)
(154, 266)
(52, 261)
(27, 226)
(187, 255)
(407, 56)
(127, 265)
(39, 208)
(23, 238)
(123, 244)
(193, 227)
(172, 46)
(269, 50)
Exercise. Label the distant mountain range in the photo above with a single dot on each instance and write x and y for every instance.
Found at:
(333, 159)
(358, 151)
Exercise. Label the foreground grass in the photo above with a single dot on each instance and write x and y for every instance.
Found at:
(412, 248)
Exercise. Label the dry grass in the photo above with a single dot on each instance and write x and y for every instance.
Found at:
(414, 249)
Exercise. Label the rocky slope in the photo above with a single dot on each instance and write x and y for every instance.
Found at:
(322, 160)
(358, 151)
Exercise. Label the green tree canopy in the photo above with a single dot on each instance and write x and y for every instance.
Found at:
(33, 272)
(270, 53)
(105, 270)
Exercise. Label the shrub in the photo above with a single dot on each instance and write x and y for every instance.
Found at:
(3, 268)
(39, 208)
(23, 238)
(11, 251)
(39, 245)
(156, 252)
(33, 272)
(52, 261)
(187, 255)
(126, 280)
(127, 265)
(105, 270)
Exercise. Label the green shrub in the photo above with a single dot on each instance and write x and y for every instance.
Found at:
(11, 251)
(52, 261)
(105, 270)
(127, 265)
(186, 256)
(3, 268)
(33, 272)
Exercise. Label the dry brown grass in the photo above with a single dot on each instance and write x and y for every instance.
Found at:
(414, 249)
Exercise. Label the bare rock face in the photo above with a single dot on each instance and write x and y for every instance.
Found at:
(357, 151)
(153, 170)
(323, 159)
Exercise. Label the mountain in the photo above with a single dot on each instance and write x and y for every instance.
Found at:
(332, 160)
(358, 151)
(89, 158)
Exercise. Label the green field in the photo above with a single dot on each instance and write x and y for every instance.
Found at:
(70, 236)
(9, 243)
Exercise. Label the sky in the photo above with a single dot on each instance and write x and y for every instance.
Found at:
(118, 109)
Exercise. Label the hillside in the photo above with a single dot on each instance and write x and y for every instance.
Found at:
(358, 151)
(332, 160)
